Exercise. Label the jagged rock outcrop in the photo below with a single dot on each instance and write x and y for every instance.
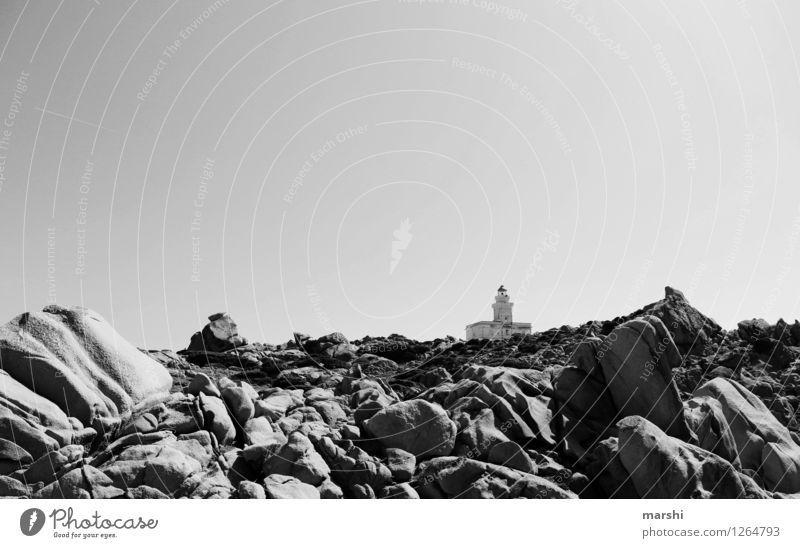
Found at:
(627, 373)
(691, 330)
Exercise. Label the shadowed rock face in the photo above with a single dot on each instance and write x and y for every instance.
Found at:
(628, 408)
(637, 365)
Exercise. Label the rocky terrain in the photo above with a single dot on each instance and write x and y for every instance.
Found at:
(662, 403)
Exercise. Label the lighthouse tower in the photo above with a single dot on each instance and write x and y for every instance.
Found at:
(503, 325)
(502, 306)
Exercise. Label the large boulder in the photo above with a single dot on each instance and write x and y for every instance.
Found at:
(663, 467)
(637, 360)
(75, 359)
(763, 444)
(416, 426)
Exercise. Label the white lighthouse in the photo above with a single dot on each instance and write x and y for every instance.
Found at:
(503, 325)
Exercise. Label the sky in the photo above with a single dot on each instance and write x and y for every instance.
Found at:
(382, 166)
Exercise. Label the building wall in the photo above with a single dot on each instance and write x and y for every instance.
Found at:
(490, 330)
(502, 307)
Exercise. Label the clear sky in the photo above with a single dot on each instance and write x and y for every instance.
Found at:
(381, 166)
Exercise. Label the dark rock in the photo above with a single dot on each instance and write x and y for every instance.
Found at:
(219, 335)
(239, 404)
(12, 457)
(401, 464)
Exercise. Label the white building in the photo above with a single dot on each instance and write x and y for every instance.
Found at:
(503, 326)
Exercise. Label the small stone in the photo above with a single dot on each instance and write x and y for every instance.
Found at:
(258, 431)
(202, 384)
(217, 420)
(400, 463)
(329, 490)
(143, 424)
(251, 490)
(239, 404)
(277, 486)
(362, 491)
(510, 454)
(399, 491)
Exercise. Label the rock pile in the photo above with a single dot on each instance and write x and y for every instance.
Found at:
(662, 403)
